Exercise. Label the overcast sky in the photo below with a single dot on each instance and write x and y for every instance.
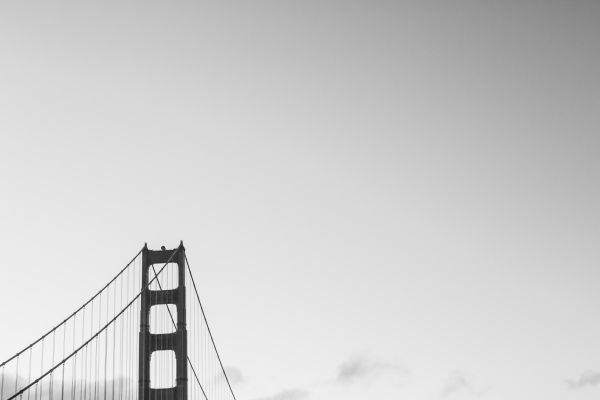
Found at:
(379, 200)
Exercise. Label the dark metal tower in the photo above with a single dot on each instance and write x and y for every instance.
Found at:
(175, 341)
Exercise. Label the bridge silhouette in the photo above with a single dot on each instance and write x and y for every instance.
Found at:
(143, 336)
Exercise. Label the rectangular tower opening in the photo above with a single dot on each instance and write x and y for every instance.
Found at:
(163, 318)
(163, 369)
(166, 279)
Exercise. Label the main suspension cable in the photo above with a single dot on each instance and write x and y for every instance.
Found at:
(208, 327)
(72, 314)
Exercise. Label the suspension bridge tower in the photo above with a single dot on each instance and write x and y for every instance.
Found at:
(176, 341)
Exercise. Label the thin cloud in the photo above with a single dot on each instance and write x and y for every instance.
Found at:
(456, 383)
(234, 375)
(589, 378)
(361, 368)
(293, 394)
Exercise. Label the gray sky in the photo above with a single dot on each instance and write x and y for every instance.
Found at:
(379, 199)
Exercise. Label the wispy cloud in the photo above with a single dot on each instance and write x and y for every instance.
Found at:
(292, 394)
(234, 375)
(456, 383)
(361, 368)
(588, 378)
